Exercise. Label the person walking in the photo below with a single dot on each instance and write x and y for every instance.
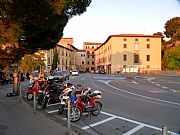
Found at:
(16, 82)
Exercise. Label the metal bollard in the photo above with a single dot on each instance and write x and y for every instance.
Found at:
(34, 106)
(164, 130)
(20, 94)
(69, 124)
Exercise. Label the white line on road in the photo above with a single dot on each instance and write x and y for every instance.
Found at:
(53, 111)
(112, 116)
(157, 84)
(53, 104)
(156, 99)
(130, 132)
(138, 123)
(98, 123)
(164, 87)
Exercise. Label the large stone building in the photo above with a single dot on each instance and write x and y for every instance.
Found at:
(81, 60)
(89, 48)
(129, 53)
(67, 58)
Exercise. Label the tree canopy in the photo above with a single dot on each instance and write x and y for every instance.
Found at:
(172, 58)
(171, 27)
(29, 25)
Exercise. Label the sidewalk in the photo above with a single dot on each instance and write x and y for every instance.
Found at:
(17, 118)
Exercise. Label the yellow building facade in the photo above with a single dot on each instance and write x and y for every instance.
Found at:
(129, 53)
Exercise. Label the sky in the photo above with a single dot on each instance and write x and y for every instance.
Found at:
(108, 17)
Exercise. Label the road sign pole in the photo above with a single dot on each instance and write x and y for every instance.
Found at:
(69, 124)
(34, 106)
(164, 130)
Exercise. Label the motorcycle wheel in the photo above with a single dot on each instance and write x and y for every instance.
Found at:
(44, 104)
(61, 108)
(29, 96)
(97, 109)
(75, 114)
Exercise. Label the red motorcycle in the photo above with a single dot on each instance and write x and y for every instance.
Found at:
(86, 102)
(33, 87)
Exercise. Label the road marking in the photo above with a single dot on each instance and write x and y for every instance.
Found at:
(53, 104)
(138, 123)
(112, 116)
(157, 84)
(53, 111)
(160, 100)
(134, 130)
(164, 87)
(98, 123)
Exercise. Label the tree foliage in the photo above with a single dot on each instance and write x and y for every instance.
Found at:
(29, 62)
(29, 25)
(162, 36)
(172, 58)
(171, 27)
(55, 60)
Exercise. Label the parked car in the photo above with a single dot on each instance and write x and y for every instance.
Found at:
(74, 72)
(57, 76)
(65, 74)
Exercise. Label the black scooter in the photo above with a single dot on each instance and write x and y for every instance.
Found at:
(50, 95)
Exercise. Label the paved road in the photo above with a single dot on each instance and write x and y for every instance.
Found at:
(17, 118)
(131, 106)
(135, 105)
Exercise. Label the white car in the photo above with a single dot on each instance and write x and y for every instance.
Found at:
(75, 73)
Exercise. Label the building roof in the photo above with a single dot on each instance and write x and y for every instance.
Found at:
(129, 35)
(91, 43)
(81, 50)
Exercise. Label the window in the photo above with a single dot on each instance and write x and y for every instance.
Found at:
(148, 39)
(148, 66)
(136, 39)
(124, 57)
(93, 56)
(125, 39)
(82, 62)
(136, 58)
(147, 57)
(148, 45)
(88, 62)
(125, 46)
(88, 56)
(92, 47)
(92, 62)
(136, 46)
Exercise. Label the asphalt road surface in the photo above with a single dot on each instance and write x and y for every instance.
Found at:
(132, 105)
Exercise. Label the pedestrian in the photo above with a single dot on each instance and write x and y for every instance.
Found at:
(16, 82)
(22, 76)
(28, 75)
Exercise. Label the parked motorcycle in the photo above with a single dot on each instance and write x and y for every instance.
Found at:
(50, 95)
(69, 92)
(33, 87)
(87, 102)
